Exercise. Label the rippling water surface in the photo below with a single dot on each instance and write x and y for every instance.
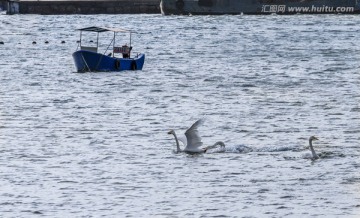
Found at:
(96, 144)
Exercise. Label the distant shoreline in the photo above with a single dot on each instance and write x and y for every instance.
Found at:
(53, 7)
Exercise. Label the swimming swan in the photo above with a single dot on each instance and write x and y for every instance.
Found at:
(193, 140)
(313, 155)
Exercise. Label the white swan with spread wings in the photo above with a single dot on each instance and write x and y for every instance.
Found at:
(193, 141)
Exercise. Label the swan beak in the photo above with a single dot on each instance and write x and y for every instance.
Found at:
(170, 132)
(315, 138)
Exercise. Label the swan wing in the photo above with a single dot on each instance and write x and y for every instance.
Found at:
(183, 140)
(193, 137)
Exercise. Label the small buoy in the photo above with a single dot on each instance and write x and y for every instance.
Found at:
(46, 42)
(33, 42)
(1, 42)
(91, 41)
(78, 41)
(62, 42)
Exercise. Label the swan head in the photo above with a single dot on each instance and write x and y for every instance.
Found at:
(313, 138)
(171, 132)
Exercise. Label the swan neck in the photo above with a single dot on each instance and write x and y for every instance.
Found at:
(177, 142)
(214, 145)
(314, 155)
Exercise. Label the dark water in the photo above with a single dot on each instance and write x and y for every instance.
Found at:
(96, 144)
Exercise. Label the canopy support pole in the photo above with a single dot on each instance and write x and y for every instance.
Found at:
(113, 44)
(97, 42)
(80, 38)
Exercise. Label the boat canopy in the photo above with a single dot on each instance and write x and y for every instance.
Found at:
(125, 49)
(103, 29)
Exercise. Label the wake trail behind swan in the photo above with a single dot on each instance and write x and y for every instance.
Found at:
(247, 149)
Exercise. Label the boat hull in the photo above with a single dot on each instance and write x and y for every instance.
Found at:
(87, 61)
(218, 7)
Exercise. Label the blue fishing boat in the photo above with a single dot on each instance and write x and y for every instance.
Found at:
(113, 58)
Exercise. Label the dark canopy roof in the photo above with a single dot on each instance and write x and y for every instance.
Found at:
(103, 29)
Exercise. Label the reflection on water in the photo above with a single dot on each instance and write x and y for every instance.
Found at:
(96, 144)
